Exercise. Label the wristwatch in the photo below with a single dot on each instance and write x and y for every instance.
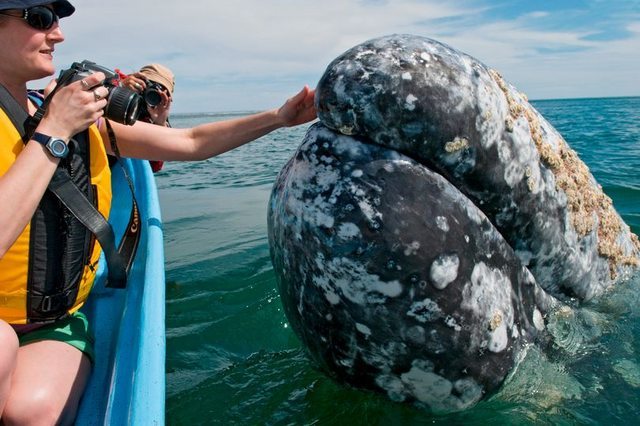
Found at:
(56, 146)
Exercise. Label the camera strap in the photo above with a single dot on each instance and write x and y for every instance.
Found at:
(118, 261)
(131, 237)
(32, 122)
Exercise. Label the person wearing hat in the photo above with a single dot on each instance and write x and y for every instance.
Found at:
(45, 344)
(156, 83)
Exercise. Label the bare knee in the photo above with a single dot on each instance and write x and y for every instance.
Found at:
(36, 410)
(8, 356)
(40, 407)
(43, 393)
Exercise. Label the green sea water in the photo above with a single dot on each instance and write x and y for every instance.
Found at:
(233, 359)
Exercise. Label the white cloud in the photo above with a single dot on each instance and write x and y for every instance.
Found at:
(572, 66)
(537, 15)
(252, 54)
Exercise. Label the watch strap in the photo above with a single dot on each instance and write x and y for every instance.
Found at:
(41, 138)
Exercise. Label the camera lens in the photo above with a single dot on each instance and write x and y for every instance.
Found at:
(152, 97)
(122, 105)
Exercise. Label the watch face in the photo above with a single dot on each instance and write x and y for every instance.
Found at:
(58, 148)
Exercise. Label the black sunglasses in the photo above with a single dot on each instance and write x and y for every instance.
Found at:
(38, 17)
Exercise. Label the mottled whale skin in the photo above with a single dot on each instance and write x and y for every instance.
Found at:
(416, 296)
(429, 222)
(458, 117)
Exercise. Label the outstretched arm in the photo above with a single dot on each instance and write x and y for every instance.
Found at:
(207, 140)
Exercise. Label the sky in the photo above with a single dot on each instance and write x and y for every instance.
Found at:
(248, 55)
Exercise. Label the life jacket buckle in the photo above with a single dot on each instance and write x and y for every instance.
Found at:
(47, 304)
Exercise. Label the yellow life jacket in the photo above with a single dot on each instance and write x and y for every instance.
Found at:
(49, 271)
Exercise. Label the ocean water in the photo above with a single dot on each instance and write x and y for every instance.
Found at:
(233, 359)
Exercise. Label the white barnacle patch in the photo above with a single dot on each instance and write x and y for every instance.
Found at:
(488, 297)
(412, 249)
(535, 182)
(407, 76)
(351, 279)
(389, 168)
(410, 102)
(444, 270)
(346, 362)
(527, 171)
(430, 388)
(508, 124)
(348, 231)
(426, 386)
(518, 154)
(451, 322)
(498, 340)
(425, 311)
(492, 108)
(469, 393)
(425, 56)
(320, 217)
(346, 130)
(369, 210)
(457, 144)
(326, 160)
(367, 206)
(515, 333)
(364, 53)
(319, 211)
(327, 177)
(473, 212)
(323, 283)
(442, 223)
(363, 329)
(512, 170)
(525, 256)
(538, 321)
(357, 173)
(393, 386)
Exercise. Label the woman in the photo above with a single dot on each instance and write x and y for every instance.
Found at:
(157, 112)
(44, 368)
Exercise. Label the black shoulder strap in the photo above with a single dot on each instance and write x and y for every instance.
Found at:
(76, 202)
(15, 112)
(131, 238)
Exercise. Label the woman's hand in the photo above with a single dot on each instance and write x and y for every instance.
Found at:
(160, 113)
(50, 87)
(75, 107)
(298, 109)
(135, 82)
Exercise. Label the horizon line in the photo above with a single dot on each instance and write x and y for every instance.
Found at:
(253, 111)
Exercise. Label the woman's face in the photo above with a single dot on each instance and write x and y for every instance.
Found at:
(26, 53)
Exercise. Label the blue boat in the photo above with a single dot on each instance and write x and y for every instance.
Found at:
(127, 384)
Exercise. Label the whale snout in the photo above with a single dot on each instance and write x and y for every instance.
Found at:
(421, 232)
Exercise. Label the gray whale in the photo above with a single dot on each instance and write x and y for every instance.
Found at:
(431, 220)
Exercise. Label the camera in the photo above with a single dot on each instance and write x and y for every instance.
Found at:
(151, 94)
(123, 104)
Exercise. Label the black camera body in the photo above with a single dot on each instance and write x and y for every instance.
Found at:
(123, 104)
